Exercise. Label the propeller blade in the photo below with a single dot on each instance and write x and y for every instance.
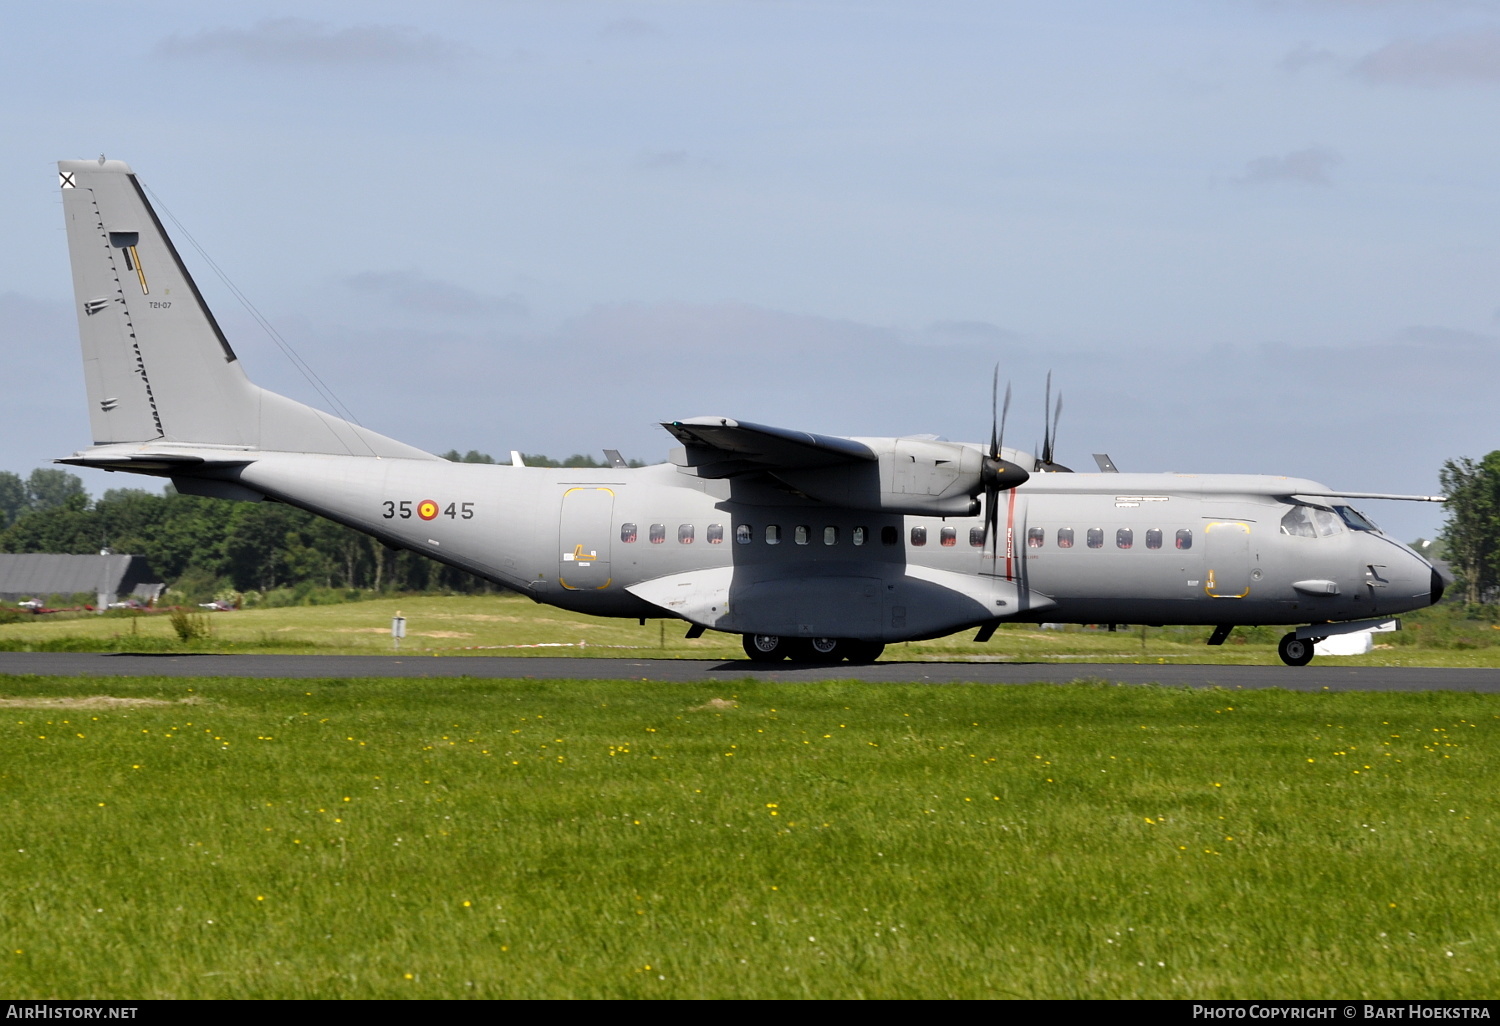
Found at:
(994, 397)
(1004, 413)
(1056, 416)
(992, 524)
(1047, 458)
(999, 474)
(1047, 422)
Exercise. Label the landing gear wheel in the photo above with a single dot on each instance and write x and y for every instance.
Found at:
(826, 650)
(767, 648)
(863, 651)
(1295, 651)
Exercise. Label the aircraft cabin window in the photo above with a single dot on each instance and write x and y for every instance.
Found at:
(1124, 538)
(1328, 524)
(889, 535)
(744, 534)
(919, 536)
(802, 533)
(1065, 537)
(773, 534)
(857, 536)
(830, 536)
(1184, 539)
(1153, 538)
(976, 537)
(1096, 538)
(627, 532)
(1035, 537)
(658, 533)
(948, 537)
(685, 534)
(715, 534)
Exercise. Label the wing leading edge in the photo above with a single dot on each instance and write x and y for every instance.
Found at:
(720, 447)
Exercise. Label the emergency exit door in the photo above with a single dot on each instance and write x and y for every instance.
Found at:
(1226, 559)
(584, 533)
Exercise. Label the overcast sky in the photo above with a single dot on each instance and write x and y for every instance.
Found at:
(1245, 235)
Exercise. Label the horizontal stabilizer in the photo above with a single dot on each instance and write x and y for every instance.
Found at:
(157, 463)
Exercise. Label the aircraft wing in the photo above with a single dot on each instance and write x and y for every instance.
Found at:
(720, 447)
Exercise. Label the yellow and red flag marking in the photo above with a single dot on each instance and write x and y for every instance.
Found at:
(427, 509)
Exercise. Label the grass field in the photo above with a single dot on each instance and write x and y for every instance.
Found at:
(451, 838)
(512, 625)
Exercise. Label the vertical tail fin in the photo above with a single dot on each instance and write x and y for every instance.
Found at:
(156, 364)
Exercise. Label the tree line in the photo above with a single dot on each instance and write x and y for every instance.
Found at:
(1471, 537)
(208, 548)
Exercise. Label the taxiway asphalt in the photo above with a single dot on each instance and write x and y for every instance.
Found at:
(308, 667)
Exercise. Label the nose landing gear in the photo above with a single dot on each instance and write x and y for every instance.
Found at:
(1295, 651)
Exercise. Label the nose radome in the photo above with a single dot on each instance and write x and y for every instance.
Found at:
(1440, 582)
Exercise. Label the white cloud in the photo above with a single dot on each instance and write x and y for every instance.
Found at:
(300, 41)
(684, 161)
(1471, 56)
(1309, 167)
(412, 291)
(969, 333)
(629, 28)
(1306, 56)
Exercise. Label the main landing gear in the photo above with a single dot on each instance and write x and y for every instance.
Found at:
(1295, 651)
(769, 648)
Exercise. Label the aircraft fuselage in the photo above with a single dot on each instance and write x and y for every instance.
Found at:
(1079, 548)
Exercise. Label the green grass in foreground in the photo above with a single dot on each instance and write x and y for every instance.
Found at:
(457, 625)
(450, 838)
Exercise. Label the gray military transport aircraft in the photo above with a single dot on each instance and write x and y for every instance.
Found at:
(809, 546)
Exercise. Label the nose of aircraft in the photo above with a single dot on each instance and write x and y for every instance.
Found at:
(1399, 579)
(1440, 583)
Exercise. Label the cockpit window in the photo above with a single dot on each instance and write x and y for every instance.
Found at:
(1356, 520)
(1298, 523)
(1308, 521)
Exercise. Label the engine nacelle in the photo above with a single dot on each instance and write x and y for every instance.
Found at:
(918, 476)
(913, 476)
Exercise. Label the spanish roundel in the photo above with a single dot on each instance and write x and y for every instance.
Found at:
(427, 509)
